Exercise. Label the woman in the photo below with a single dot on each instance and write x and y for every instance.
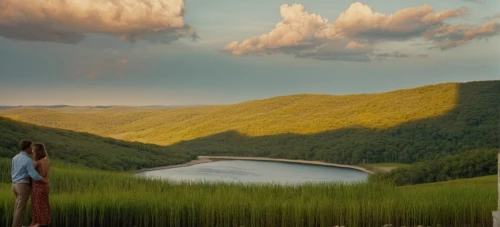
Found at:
(40, 208)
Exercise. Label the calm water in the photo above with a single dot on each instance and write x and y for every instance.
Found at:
(258, 172)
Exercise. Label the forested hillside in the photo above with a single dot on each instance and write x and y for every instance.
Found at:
(402, 126)
(298, 114)
(87, 150)
(481, 162)
(471, 124)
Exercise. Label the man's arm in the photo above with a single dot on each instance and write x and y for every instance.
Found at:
(30, 166)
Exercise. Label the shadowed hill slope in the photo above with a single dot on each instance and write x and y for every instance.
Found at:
(85, 149)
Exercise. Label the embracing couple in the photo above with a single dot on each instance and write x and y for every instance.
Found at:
(31, 178)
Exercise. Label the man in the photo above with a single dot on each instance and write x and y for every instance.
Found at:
(22, 169)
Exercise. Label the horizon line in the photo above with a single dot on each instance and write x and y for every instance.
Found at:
(243, 101)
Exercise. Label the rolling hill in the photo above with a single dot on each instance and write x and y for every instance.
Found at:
(87, 150)
(300, 114)
(402, 126)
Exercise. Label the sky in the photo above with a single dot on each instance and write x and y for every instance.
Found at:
(175, 52)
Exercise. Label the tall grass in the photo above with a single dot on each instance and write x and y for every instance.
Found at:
(85, 197)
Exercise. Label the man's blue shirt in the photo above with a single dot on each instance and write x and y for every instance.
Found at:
(22, 167)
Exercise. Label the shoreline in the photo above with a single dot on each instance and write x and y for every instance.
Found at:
(190, 163)
(208, 159)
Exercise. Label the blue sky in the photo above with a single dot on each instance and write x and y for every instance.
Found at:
(104, 69)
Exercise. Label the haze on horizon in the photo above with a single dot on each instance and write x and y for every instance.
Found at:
(176, 52)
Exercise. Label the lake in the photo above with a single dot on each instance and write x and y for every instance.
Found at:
(246, 171)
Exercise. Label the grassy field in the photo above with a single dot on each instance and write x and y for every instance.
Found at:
(86, 197)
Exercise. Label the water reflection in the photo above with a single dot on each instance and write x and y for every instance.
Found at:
(245, 171)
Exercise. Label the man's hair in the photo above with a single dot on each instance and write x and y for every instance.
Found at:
(25, 144)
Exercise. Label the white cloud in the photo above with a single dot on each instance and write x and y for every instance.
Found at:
(67, 21)
(353, 35)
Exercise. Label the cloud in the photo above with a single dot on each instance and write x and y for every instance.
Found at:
(105, 63)
(451, 36)
(383, 56)
(395, 55)
(102, 67)
(476, 1)
(67, 21)
(355, 33)
(30, 32)
(494, 16)
(423, 55)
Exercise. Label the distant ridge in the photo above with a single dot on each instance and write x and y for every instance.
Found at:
(8, 107)
(98, 106)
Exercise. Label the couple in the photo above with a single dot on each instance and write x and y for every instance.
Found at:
(30, 177)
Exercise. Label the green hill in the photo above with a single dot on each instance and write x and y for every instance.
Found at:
(402, 126)
(467, 164)
(88, 150)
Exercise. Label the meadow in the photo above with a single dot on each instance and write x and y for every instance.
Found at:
(89, 197)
